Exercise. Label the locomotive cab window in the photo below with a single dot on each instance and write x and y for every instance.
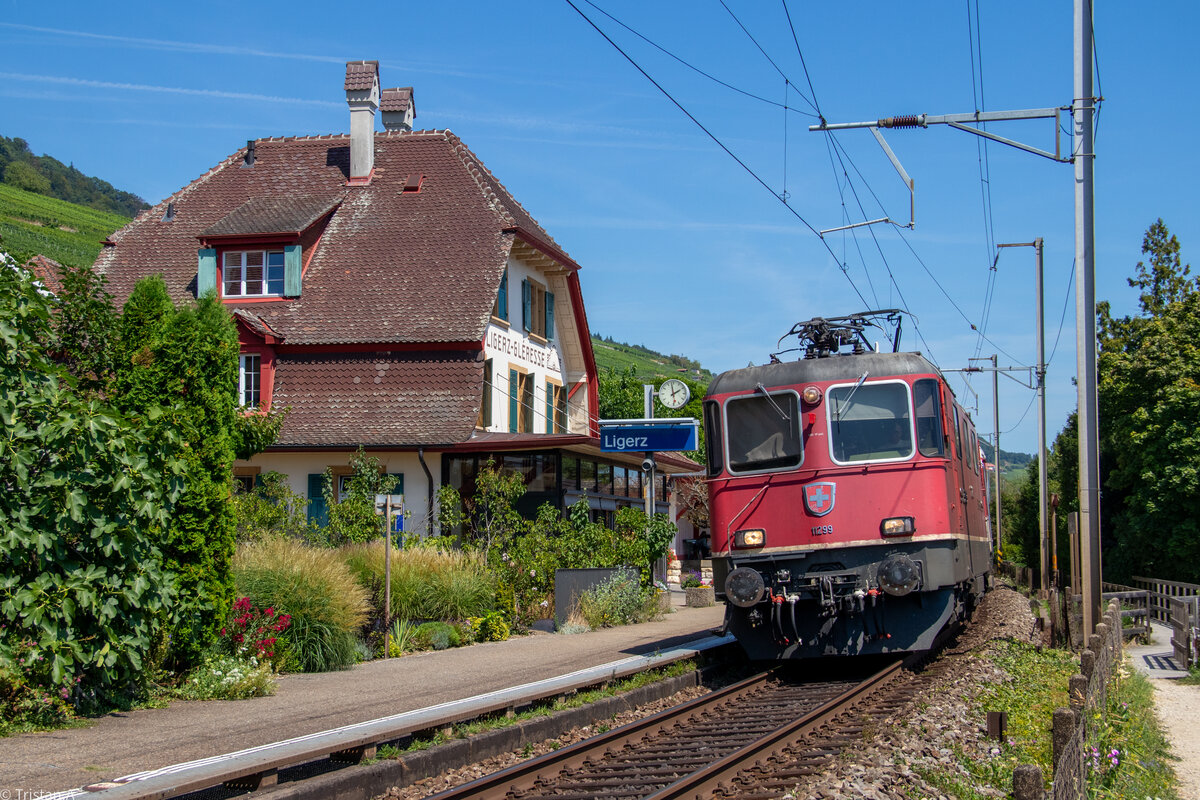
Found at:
(870, 422)
(763, 432)
(928, 404)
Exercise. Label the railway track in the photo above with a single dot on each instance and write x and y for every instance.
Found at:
(756, 738)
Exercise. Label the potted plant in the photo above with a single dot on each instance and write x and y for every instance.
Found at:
(698, 594)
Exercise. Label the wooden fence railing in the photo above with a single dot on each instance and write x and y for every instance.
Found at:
(1135, 606)
(1177, 604)
(1074, 728)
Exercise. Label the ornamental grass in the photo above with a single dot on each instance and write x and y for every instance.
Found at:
(313, 585)
(427, 584)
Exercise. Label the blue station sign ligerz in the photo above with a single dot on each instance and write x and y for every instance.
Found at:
(662, 435)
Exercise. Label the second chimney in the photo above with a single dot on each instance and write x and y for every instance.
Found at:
(362, 95)
(398, 109)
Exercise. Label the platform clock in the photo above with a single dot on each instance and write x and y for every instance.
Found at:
(674, 393)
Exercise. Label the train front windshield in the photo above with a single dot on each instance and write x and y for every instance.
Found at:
(870, 422)
(763, 432)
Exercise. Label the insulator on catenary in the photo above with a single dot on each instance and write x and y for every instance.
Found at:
(906, 121)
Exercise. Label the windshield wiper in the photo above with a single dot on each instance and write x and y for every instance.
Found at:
(849, 397)
(771, 400)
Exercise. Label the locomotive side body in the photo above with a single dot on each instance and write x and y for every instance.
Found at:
(847, 505)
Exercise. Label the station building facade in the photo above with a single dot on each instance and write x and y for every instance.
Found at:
(393, 295)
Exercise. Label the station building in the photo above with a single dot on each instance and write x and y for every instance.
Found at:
(395, 296)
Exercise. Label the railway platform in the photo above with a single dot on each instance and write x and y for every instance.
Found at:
(120, 744)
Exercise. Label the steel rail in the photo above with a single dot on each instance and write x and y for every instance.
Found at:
(521, 776)
(704, 782)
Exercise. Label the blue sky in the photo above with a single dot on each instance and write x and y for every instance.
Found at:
(683, 249)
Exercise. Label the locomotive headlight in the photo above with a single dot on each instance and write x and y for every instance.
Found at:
(744, 587)
(898, 575)
(898, 526)
(811, 395)
(751, 537)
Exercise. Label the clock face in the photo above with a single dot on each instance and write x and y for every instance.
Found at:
(674, 393)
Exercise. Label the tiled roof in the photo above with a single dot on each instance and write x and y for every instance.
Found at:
(396, 99)
(361, 75)
(402, 399)
(256, 323)
(286, 214)
(391, 267)
(46, 270)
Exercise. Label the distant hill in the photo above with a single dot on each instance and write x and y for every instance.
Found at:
(647, 364)
(1012, 465)
(44, 175)
(33, 224)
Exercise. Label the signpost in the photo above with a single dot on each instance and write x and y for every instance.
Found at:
(389, 506)
(648, 435)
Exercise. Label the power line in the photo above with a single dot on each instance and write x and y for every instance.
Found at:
(803, 66)
(697, 70)
(812, 103)
(716, 140)
(1066, 303)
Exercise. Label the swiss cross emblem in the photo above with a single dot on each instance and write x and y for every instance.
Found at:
(818, 497)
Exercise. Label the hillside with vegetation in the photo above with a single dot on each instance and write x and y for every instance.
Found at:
(33, 224)
(646, 363)
(48, 176)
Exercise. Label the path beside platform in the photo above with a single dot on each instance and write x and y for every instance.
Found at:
(1177, 706)
(124, 743)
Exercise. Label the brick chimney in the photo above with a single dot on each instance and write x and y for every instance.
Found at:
(362, 95)
(398, 109)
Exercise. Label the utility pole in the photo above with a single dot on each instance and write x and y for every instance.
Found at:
(1082, 109)
(1043, 477)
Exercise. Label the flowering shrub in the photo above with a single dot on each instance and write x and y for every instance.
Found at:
(224, 677)
(690, 580)
(251, 632)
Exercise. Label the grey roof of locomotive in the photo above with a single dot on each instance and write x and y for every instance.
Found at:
(840, 367)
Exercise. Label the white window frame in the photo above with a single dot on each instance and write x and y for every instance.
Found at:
(249, 380)
(240, 270)
(912, 433)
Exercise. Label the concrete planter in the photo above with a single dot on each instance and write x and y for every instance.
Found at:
(700, 596)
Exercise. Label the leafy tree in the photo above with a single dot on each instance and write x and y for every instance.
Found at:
(488, 517)
(352, 514)
(186, 360)
(1149, 397)
(84, 490)
(84, 327)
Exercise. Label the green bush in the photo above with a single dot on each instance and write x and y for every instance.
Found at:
(24, 703)
(618, 601)
(225, 677)
(352, 513)
(489, 628)
(187, 359)
(326, 604)
(84, 494)
(426, 583)
(435, 636)
(273, 509)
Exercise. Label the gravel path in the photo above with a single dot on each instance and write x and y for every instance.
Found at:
(1178, 708)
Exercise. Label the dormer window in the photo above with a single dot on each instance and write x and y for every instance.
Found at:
(252, 273)
(249, 380)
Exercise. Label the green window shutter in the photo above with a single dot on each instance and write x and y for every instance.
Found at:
(399, 487)
(514, 405)
(291, 270)
(502, 299)
(549, 407)
(316, 499)
(206, 270)
(549, 315)
(527, 305)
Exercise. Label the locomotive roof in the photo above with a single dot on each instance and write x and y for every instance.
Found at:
(843, 367)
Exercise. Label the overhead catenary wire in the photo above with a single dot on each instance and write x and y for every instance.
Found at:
(699, 71)
(811, 102)
(716, 141)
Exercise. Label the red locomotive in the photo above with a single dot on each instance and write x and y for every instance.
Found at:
(848, 507)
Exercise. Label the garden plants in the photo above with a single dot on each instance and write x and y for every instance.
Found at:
(326, 605)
